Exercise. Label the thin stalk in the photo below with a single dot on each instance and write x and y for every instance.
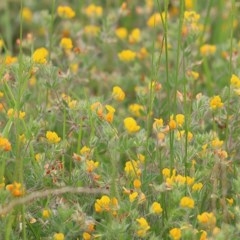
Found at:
(206, 19)
(230, 69)
(178, 55)
(51, 29)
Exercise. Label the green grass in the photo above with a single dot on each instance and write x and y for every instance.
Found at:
(157, 158)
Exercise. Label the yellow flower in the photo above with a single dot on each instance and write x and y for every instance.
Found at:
(38, 157)
(181, 134)
(65, 12)
(58, 236)
(12, 113)
(91, 30)
(126, 55)
(121, 33)
(134, 36)
(191, 17)
(118, 94)
(207, 219)
(1, 43)
(143, 227)
(197, 186)
(5, 145)
(157, 124)
(40, 55)
(187, 202)
(216, 143)
(188, 4)
(16, 189)
(180, 119)
(132, 168)
(27, 14)
(230, 201)
(192, 74)
(131, 125)
(136, 109)
(10, 60)
(235, 81)
(66, 43)
(86, 236)
(172, 124)
(133, 196)
(207, 50)
(85, 150)
(175, 233)
(156, 208)
(137, 183)
(203, 235)
(216, 102)
(52, 137)
(156, 19)
(46, 213)
(91, 165)
(166, 172)
(93, 11)
(143, 53)
(107, 204)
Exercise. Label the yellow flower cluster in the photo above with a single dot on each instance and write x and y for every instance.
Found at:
(187, 202)
(207, 220)
(16, 189)
(10, 60)
(93, 10)
(175, 233)
(134, 36)
(46, 213)
(143, 227)
(156, 208)
(66, 43)
(58, 236)
(106, 113)
(133, 167)
(172, 178)
(131, 125)
(12, 113)
(40, 55)
(118, 94)
(176, 121)
(121, 33)
(71, 103)
(5, 145)
(27, 14)
(235, 83)
(216, 102)
(65, 12)
(126, 55)
(91, 165)
(52, 137)
(191, 24)
(156, 19)
(207, 50)
(136, 109)
(106, 204)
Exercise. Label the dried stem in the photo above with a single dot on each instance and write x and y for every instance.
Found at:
(44, 193)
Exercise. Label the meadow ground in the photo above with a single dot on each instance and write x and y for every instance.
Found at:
(119, 120)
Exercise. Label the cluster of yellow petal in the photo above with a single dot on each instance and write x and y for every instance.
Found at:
(65, 12)
(16, 189)
(5, 145)
(106, 204)
(143, 227)
(40, 55)
(52, 137)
